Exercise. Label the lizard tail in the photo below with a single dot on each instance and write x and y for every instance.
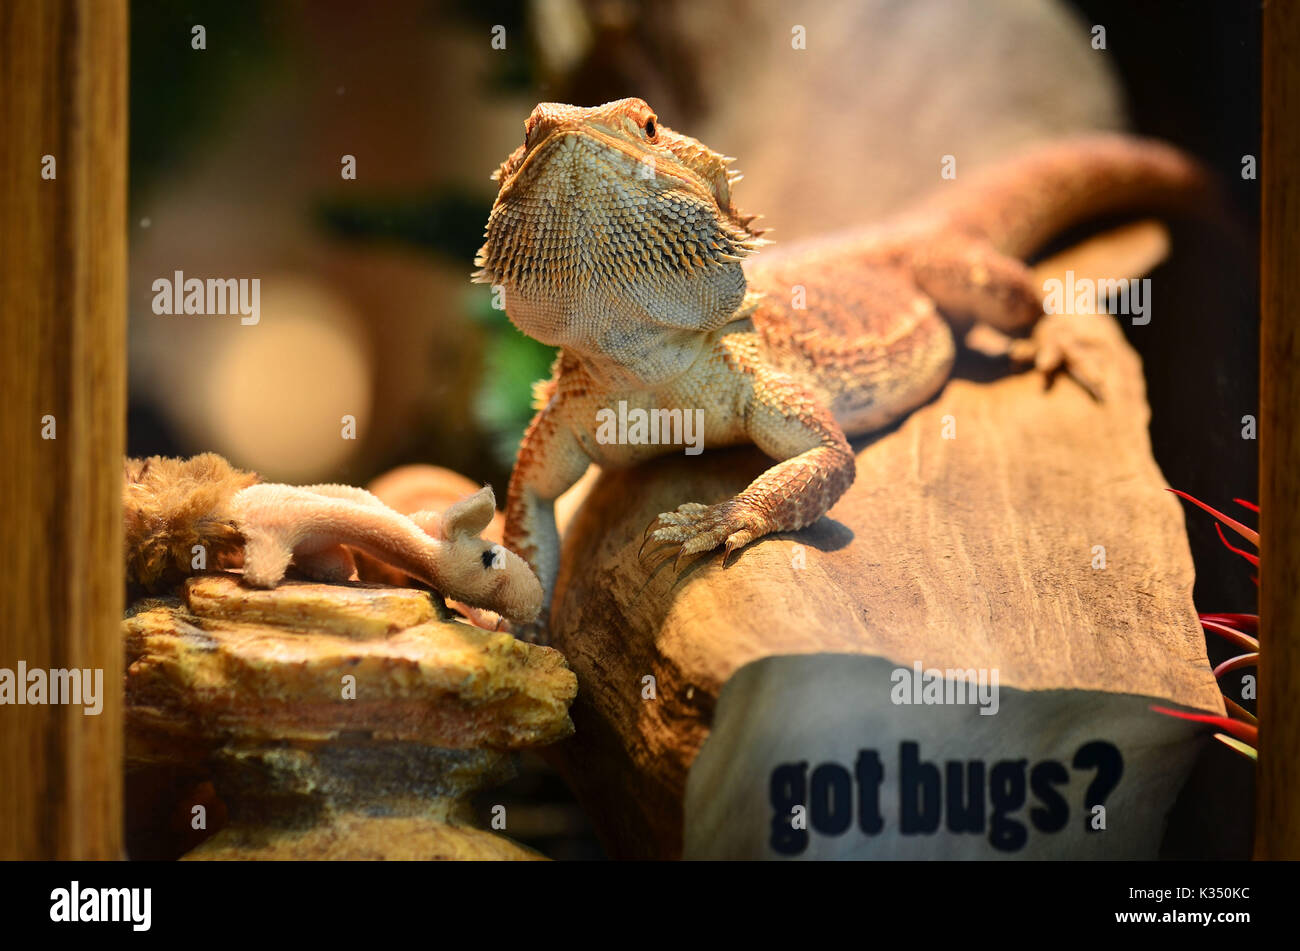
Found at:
(1024, 203)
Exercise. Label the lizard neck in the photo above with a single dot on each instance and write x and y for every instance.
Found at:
(654, 357)
(625, 339)
(648, 363)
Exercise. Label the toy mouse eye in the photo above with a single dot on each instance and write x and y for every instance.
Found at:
(488, 557)
(650, 129)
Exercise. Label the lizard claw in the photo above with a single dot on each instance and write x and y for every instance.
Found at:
(695, 527)
(656, 543)
(680, 517)
(1058, 346)
(735, 542)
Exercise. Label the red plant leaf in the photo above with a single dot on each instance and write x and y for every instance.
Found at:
(1242, 731)
(1253, 559)
(1236, 663)
(1231, 634)
(1250, 505)
(1242, 622)
(1249, 534)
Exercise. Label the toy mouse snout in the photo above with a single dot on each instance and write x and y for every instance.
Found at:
(476, 571)
(512, 590)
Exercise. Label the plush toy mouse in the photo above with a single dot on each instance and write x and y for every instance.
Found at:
(202, 510)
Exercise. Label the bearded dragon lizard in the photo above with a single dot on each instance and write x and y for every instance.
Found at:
(617, 240)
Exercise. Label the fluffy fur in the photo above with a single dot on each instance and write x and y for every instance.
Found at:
(171, 506)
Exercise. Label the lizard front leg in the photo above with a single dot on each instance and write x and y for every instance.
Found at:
(550, 460)
(788, 422)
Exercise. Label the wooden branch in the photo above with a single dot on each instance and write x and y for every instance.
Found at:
(63, 68)
(1277, 811)
(980, 551)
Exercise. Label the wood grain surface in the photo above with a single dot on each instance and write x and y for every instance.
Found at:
(1277, 809)
(974, 551)
(63, 69)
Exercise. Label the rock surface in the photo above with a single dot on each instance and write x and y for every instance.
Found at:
(337, 721)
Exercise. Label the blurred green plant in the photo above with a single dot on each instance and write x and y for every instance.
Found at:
(505, 74)
(178, 94)
(513, 363)
(446, 221)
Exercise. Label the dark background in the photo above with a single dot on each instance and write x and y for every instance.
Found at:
(1191, 76)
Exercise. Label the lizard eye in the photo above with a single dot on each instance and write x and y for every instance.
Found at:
(650, 129)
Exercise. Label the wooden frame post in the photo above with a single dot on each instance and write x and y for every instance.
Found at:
(1277, 810)
(63, 112)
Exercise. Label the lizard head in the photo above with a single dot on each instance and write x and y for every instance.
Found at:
(616, 237)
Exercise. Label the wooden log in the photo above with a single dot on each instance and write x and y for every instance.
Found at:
(63, 68)
(982, 551)
(1277, 808)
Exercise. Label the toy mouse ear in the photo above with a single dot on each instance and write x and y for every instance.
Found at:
(469, 516)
